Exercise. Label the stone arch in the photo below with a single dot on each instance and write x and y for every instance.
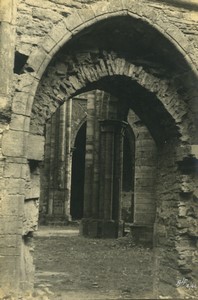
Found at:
(90, 70)
(65, 30)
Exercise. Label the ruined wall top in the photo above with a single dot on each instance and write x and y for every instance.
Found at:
(37, 17)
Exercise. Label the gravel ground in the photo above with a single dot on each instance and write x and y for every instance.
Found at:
(70, 267)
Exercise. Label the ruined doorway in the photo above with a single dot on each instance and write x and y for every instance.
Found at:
(78, 174)
(163, 117)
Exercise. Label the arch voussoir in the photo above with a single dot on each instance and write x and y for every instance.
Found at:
(128, 4)
(59, 32)
(74, 80)
(55, 39)
(178, 37)
(115, 5)
(73, 21)
(86, 75)
(87, 15)
(100, 8)
(36, 60)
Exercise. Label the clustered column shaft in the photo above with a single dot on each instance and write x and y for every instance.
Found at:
(58, 164)
(103, 168)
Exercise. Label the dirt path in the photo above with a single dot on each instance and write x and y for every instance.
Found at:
(70, 267)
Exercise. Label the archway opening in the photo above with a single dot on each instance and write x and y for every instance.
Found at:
(162, 121)
(78, 175)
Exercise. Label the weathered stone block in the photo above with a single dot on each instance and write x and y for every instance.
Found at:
(89, 228)
(144, 197)
(33, 189)
(59, 32)
(40, 4)
(13, 143)
(5, 111)
(9, 266)
(15, 186)
(43, 14)
(20, 103)
(86, 14)
(35, 148)
(12, 170)
(10, 225)
(27, 265)
(100, 8)
(25, 82)
(12, 205)
(182, 211)
(19, 122)
(95, 228)
(36, 59)
(7, 10)
(73, 22)
(74, 82)
(143, 208)
(6, 58)
(30, 219)
(187, 185)
(48, 44)
(110, 229)
(144, 218)
(194, 150)
(177, 35)
(18, 160)
(115, 5)
(142, 234)
(10, 245)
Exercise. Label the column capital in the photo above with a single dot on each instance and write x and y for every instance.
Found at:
(111, 125)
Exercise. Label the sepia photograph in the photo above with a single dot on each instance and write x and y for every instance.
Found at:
(98, 149)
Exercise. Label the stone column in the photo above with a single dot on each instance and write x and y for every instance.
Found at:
(103, 219)
(107, 169)
(68, 158)
(50, 208)
(118, 169)
(91, 186)
(89, 157)
(96, 168)
(45, 178)
(59, 165)
(111, 160)
(12, 161)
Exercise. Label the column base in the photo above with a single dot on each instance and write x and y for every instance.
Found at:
(55, 220)
(142, 234)
(95, 228)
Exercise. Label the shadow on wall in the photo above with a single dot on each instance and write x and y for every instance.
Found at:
(181, 3)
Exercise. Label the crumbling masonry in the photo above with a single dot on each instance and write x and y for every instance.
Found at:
(110, 86)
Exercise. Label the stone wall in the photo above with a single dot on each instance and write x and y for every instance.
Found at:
(145, 198)
(42, 15)
(42, 28)
(11, 199)
(145, 172)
